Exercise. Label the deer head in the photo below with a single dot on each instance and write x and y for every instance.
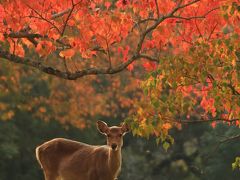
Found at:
(114, 134)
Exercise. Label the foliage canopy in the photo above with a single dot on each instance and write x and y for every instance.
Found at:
(190, 48)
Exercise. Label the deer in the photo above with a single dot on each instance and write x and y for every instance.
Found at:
(65, 159)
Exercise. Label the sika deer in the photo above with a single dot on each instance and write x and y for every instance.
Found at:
(63, 159)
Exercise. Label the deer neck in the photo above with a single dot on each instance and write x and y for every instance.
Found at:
(115, 160)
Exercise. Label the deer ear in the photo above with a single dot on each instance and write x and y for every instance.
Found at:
(125, 128)
(102, 127)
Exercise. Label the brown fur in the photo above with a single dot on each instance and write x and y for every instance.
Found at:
(64, 159)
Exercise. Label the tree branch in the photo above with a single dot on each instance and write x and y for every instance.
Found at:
(60, 14)
(195, 17)
(143, 21)
(231, 138)
(156, 4)
(32, 36)
(62, 74)
(68, 17)
(183, 6)
(22, 35)
(43, 18)
(234, 91)
(91, 71)
(150, 58)
(207, 121)
(217, 146)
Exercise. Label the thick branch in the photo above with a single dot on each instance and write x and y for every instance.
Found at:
(62, 74)
(22, 35)
(30, 37)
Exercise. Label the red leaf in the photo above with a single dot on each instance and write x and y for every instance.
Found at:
(213, 124)
(149, 66)
(107, 4)
(130, 67)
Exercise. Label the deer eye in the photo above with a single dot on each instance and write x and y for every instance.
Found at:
(108, 135)
(120, 135)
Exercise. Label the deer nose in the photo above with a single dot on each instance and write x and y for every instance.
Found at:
(114, 146)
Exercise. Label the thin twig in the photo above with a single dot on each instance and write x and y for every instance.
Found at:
(206, 121)
(210, 35)
(60, 14)
(42, 18)
(109, 55)
(68, 17)
(195, 17)
(158, 13)
(231, 138)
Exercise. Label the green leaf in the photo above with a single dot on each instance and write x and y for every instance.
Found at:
(145, 91)
(225, 17)
(224, 7)
(166, 145)
(155, 103)
(236, 164)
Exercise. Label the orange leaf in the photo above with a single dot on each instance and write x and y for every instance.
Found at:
(17, 49)
(167, 126)
(44, 48)
(130, 67)
(68, 54)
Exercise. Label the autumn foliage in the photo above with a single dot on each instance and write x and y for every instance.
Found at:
(190, 48)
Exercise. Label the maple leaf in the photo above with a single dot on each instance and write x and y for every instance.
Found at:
(195, 41)
(44, 48)
(68, 54)
(130, 67)
(2, 37)
(149, 66)
(17, 49)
